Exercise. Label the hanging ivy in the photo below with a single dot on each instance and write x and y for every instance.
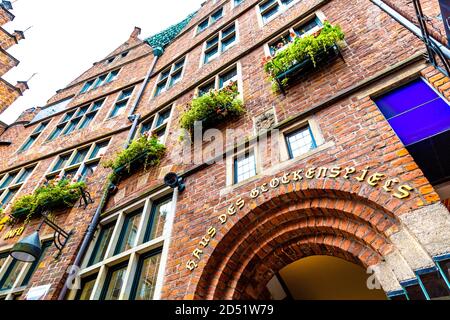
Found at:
(56, 194)
(213, 107)
(301, 49)
(144, 151)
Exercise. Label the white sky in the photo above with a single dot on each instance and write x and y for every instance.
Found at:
(68, 36)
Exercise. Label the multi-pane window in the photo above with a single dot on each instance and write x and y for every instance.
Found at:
(34, 136)
(269, 9)
(99, 81)
(210, 20)
(121, 104)
(78, 164)
(170, 77)
(301, 30)
(219, 43)
(158, 125)
(11, 182)
(300, 142)
(15, 275)
(125, 257)
(77, 119)
(220, 81)
(244, 167)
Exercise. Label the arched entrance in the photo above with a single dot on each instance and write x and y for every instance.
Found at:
(289, 227)
(323, 278)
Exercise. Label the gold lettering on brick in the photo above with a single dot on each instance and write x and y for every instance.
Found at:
(335, 172)
(403, 191)
(375, 178)
(363, 175)
(310, 173)
(349, 171)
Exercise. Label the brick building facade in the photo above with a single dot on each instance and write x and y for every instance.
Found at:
(324, 168)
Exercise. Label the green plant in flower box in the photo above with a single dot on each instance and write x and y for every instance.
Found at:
(212, 107)
(55, 194)
(145, 150)
(301, 49)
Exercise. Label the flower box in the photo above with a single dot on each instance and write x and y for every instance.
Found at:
(143, 152)
(303, 54)
(213, 107)
(56, 194)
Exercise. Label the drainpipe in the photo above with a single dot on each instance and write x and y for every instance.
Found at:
(96, 219)
(409, 25)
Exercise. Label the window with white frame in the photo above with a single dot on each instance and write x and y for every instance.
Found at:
(210, 20)
(219, 43)
(220, 81)
(122, 102)
(244, 166)
(301, 30)
(170, 77)
(158, 124)
(80, 163)
(269, 9)
(300, 141)
(124, 258)
(76, 119)
(100, 81)
(11, 182)
(16, 275)
(33, 137)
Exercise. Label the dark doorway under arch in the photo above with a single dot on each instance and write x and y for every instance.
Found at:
(323, 278)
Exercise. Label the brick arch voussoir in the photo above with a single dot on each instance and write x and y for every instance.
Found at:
(306, 229)
(327, 202)
(254, 278)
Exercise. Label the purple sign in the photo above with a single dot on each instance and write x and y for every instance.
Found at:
(445, 9)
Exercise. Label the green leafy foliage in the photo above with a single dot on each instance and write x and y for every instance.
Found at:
(300, 49)
(212, 107)
(54, 195)
(145, 150)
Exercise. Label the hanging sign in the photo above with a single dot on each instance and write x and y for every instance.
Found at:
(445, 10)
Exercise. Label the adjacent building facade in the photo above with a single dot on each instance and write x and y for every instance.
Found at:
(347, 164)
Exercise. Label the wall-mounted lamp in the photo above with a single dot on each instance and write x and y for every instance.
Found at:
(173, 180)
(29, 248)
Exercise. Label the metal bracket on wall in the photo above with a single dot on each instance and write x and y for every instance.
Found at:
(433, 50)
(85, 199)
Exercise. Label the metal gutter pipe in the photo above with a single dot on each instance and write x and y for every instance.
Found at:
(409, 25)
(96, 218)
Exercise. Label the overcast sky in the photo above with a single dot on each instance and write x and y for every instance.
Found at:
(68, 36)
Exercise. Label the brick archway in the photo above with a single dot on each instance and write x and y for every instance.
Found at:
(274, 234)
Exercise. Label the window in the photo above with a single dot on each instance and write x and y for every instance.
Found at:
(126, 255)
(146, 274)
(121, 103)
(127, 238)
(221, 42)
(220, 81)
(300, 142)
(302, 30)
(101, 80)
(87, 285)
(210, 20)
(112, 59)
(158, 124)
(80, 163)
(244, 167)
(269, 9)
(16, 275)
(114, 282)
(11, 182)
(76, 119)
(169, 77)
(237, 2)
(34, 136)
